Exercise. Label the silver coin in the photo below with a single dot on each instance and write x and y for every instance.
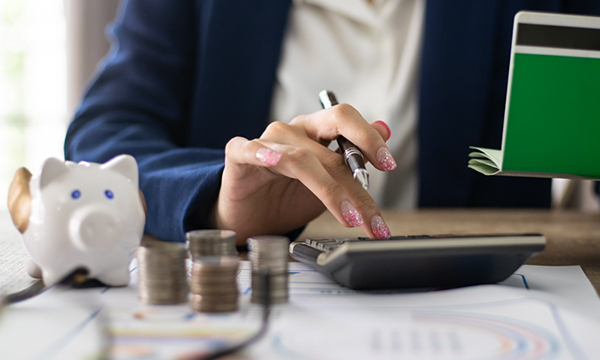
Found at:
(270, 253)
(211, 243)
(223, 276)
(162, 273)
(211, 299)
(267, 255)
(214, 284)
(162, 246)
(213, 281)
(278, 269)
(270, 258)
(214, 290)
(210, 235)
(267, 240)
(217, 261)
(214, 273)
(215, 265)
(163, 298)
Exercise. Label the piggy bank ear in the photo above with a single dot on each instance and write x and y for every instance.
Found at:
(124, 165)
(19, 199)
(51, 169)
(143, 200)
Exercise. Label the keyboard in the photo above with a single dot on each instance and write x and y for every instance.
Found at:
(418, 261)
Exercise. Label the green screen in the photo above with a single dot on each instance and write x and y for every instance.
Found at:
(554, 116)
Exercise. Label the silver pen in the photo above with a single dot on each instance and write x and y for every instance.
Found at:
(352, 154)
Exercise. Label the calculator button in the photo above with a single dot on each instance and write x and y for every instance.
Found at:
(318, 243)
(321, 244)
(343, 240)
(314, 242)
(331, 246)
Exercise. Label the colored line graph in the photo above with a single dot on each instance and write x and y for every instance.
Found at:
(383, 325)
(488, 332)
(518, 339)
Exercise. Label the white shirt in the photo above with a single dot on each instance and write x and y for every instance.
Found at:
(368, 55)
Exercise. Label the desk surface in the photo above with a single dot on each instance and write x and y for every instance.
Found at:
(573, 238)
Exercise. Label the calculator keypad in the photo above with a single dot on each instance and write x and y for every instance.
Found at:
(328, 245)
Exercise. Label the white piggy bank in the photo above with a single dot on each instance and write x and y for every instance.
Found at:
(83, 214)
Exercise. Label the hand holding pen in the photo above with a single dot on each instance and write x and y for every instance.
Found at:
(287, 177)
(352, 154)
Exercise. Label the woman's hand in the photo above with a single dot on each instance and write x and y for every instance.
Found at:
(288, 177)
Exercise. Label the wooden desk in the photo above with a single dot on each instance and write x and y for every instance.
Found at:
(573, 238)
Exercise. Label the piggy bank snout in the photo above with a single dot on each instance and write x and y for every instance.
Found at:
(94, 227)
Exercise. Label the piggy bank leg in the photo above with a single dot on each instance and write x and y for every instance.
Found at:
(117, 277)
(51, 277)
(34, 270)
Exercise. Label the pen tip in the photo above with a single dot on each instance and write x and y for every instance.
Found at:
(363, 178)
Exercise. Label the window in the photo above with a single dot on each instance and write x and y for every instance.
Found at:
(33, 117)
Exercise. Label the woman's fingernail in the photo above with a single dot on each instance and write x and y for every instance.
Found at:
(389, 131)
(385, 159)
(379, 228)
(268, 156)
(350, 214)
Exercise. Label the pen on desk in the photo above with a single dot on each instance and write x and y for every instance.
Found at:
(352, 154)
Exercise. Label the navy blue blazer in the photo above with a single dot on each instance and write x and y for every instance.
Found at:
(185, 76)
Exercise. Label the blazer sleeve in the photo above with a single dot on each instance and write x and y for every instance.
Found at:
(139, 104)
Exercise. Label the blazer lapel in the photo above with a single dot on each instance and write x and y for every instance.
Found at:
(455, 79)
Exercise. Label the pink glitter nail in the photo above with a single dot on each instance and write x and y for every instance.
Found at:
(385, 159)
(379, 228)
(268, 156)
(350, 214)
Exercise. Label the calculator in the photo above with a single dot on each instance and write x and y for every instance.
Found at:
(418, 261)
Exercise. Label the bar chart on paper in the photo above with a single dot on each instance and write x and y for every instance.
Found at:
(485, 322)
(326, 321)
(490, 331)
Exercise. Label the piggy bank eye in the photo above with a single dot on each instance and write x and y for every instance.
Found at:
(109, 194)
(76, 194)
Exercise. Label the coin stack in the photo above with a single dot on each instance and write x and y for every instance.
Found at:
(211, 243)
(269, 253)
(162, 274)
(214, 285)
